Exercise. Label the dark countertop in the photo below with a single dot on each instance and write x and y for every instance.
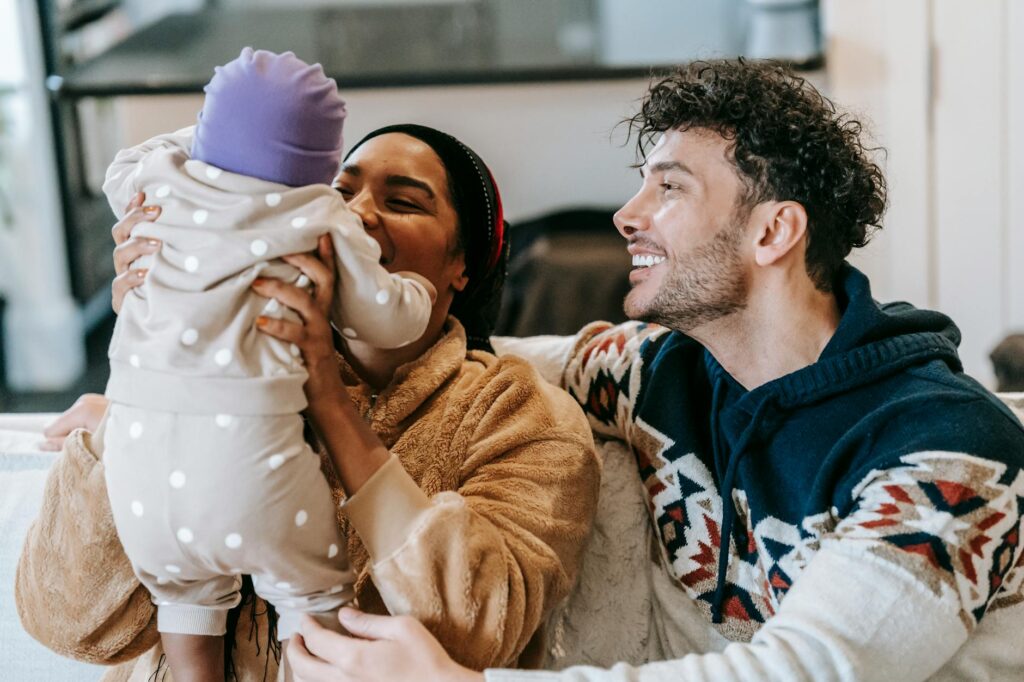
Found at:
(360, 47)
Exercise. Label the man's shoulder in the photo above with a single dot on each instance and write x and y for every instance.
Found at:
(931, 409)
(627, 343)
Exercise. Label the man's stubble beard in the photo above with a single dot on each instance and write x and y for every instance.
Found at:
(708, 285)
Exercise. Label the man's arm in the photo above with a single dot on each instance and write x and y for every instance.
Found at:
(600, 367)
(893, 592)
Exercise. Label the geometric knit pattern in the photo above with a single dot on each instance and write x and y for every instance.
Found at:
(951, 520)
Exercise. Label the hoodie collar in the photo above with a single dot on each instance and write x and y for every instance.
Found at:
(871, 342)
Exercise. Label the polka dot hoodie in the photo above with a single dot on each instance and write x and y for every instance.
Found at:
(187, 336)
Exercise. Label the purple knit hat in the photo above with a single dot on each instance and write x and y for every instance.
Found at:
(271, 116)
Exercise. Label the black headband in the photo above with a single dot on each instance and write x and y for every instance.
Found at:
(477, 203)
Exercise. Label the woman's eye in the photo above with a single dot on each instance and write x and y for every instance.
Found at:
(344, 191)
(403, 205)
(668, 187)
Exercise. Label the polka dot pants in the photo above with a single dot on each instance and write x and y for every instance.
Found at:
(199, 500)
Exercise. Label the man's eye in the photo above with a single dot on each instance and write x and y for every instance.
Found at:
(668, 187)
(344, 191)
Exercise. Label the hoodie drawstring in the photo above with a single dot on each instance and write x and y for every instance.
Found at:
(729, 508)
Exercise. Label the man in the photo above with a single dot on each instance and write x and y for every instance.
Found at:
(836, 496)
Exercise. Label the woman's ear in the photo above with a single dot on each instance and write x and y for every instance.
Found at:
(459, 278)
(782, 226)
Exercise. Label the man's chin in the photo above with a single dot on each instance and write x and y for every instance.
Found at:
(637, 307)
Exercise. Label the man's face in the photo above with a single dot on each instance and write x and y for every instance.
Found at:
(686, 234)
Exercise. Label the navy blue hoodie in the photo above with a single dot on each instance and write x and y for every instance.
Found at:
(872, 441)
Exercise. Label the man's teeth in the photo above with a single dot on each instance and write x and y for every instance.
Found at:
(642, 261)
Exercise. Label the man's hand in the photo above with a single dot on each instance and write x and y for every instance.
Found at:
(86, 413)
(390, 649)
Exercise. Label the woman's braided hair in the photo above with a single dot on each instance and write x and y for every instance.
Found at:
(788, 143)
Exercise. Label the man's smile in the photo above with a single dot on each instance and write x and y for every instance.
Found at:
(642, 260)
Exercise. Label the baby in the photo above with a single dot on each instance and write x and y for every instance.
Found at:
(208, 474)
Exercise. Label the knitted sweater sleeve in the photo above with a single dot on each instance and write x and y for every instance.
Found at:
(603, 373)
(600, 367)
(893, 592)
(75, 589)
(481, 567)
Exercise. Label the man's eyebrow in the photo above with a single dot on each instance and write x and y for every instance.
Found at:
(406, 181)
(663, 166)
(351, 169)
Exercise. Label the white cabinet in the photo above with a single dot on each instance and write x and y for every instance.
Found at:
(941, 82)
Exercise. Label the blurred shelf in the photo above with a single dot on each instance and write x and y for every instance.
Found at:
(82, 12)
(443, 44)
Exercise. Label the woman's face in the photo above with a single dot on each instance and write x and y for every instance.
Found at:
(397, 185)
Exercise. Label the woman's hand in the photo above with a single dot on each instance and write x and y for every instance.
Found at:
(313, 335)
(86, 413)
(128, 249)
(355, 449)
(391, 649)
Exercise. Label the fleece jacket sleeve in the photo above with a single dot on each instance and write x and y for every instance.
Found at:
(75, 589)
(481, 567)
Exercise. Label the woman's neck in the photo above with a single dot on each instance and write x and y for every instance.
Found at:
(377, 366)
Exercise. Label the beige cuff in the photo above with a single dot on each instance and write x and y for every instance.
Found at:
(94, 441)
(84, 448)
(386, 509)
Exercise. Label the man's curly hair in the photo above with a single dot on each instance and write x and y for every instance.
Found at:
(788, 144)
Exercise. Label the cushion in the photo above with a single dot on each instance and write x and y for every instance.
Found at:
(1015, 401)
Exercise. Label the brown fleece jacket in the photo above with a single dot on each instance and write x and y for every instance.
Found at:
(475, 526)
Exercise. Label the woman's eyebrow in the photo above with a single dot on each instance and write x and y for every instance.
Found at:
(351, 169)
(406, 181)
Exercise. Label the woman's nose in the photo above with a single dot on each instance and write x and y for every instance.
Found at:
(363, 206)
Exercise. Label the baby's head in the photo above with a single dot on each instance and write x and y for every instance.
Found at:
(271, 116)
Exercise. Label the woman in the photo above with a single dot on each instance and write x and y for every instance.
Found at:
(468, 484)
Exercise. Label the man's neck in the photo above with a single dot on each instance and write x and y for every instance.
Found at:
(785, 326)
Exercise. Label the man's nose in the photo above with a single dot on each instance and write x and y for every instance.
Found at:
(629, 219)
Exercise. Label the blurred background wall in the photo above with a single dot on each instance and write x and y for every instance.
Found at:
(937, 83)
(943, 83)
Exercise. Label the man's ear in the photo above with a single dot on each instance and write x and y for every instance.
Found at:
(781, 226)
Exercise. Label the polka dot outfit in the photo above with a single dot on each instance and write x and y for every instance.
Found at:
(207, 471)
(218, 232)
(274, 519)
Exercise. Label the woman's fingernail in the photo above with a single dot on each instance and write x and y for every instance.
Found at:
(261, 321)
(140, 273)
(154, 243)
(151, 210)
